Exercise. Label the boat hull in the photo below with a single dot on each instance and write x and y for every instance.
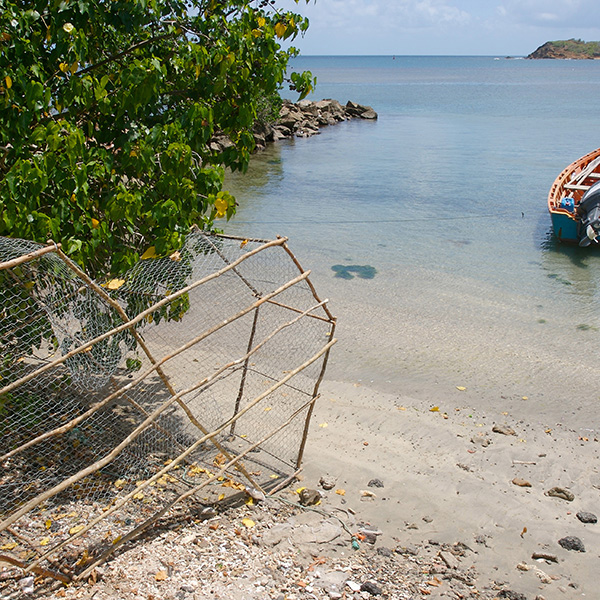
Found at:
(566, 194)
(565, 227)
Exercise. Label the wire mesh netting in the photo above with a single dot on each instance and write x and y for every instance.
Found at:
(187, 380)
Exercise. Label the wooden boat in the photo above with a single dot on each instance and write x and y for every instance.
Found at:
(574, 201)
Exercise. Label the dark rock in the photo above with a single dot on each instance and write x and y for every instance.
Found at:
(511, 595)
(572, 543)
(383, 551)
(372, 588)
(587, 517)
(558, 492)
(375, 483)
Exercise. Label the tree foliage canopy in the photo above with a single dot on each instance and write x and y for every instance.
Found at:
(108, 108)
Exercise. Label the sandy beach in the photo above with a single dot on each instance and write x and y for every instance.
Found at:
(448, 477)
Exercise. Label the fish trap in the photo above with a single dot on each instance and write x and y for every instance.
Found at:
(188, 380)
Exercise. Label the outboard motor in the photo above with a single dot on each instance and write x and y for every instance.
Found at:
(589, 209)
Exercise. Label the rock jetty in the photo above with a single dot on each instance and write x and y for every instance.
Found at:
(307, 117)
(300, 119)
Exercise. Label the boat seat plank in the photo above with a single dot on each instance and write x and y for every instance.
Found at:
(574, 186)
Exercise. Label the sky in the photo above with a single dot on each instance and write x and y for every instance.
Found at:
(444, 27)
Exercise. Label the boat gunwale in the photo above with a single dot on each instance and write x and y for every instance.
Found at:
(559, 183)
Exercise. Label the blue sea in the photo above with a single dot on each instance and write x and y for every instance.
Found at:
(444, 196)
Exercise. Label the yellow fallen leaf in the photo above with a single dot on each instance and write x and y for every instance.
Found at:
(48, 523)
(8, 82)
(9, 546)
(299, 490)
(45, 541)
(243, 243)
(323, 425)
(461, 388)
(434, 409)
(115, 284)
(161, 576)
(221, 496)
(340, 492)
(268, 408)
(401, 407)
(150, 253)
(76, 529)
(138, 496)
(524, 398)
(250, 501)
(274, 476)
(249, 523)
(120, 483)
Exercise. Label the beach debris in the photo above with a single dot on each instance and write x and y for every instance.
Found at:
(523, 566)
(521, 482)
(327, 482)
(544, 556)
(543, 577)
(503, 429)
(558, 492)
(309, 497)
(368, 494)
(572, 542)
(384, 551)
(375, 483)
(461, 388)
(354, 587)
(587, 517)
(371, 588)
(524, 531)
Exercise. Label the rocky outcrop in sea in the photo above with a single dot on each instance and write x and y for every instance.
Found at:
(307, 117)
(300, 119)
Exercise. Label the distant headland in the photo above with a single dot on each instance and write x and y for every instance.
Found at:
(573, 49)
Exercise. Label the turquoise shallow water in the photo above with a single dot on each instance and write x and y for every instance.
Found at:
(445, 197)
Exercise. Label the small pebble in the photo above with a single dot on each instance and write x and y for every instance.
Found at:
(521, 482)
(503, 429)
(558, 492)
(587, 517)
(572, 543)
(372, 588)
(375, 483)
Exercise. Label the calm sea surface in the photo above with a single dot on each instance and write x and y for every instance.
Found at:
(445, 196)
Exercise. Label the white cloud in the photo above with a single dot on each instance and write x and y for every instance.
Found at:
(564, 13)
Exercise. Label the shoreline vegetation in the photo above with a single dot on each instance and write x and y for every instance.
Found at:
(301, 119)
(568, 49)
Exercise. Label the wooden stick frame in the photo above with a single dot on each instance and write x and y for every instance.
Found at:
(150, 419)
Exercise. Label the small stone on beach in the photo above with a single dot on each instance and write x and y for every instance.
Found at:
(558, 492)
(327, 482)
(587, 517)
(503, 429)
(572, 543)
(521, 482)
(375, 483)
